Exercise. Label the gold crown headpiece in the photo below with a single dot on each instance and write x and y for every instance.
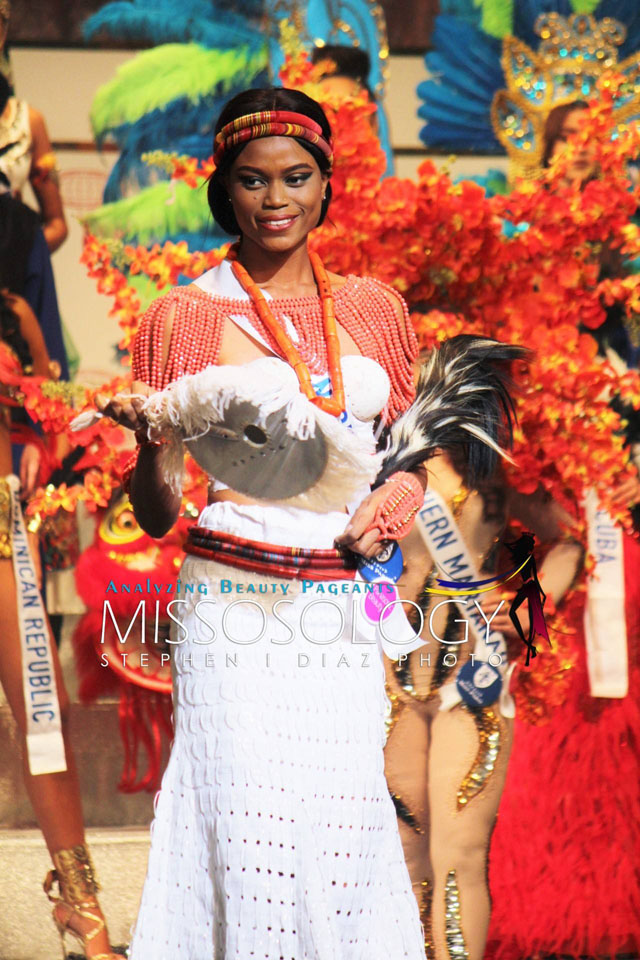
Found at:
(575, 51)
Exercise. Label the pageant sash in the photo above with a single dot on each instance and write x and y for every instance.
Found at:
(394, 632)
(443, 540)
(45, 746)
(605, 626)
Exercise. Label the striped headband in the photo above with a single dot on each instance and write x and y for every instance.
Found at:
(270, 123)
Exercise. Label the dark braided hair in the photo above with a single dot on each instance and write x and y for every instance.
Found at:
(5, 91)
(10, 333)
(18, 226)
(554, 124)
(351, 62)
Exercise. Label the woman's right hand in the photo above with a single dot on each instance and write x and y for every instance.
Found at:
(627, 492)
(126, 408)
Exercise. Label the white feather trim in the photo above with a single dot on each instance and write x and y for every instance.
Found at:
(190, 406)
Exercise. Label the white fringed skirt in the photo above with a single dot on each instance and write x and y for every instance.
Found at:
(274, 834)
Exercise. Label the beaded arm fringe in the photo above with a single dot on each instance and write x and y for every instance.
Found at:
(362, 307)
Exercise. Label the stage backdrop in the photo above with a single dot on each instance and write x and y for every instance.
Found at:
(56, 73)
(59, 22)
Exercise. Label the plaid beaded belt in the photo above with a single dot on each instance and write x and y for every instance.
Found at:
(290, 563)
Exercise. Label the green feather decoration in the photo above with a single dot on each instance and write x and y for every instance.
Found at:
(497, 17)
(584, 6)
(157, 76)
(165, 209)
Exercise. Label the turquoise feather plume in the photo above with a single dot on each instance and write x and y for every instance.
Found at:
(164, 21)
(466, 10)
(156, 77)
(160, 212)
(464, 73)
(170, 96)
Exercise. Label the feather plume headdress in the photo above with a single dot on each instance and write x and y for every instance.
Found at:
(462, 403)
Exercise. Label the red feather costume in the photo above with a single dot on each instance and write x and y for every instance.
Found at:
(565, 855)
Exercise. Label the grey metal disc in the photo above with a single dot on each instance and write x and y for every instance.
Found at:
(263, 462)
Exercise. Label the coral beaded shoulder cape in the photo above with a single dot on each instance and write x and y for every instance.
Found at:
(363, 307)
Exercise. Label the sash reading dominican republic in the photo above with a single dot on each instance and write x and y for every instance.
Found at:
(444, 541)
(45, 745)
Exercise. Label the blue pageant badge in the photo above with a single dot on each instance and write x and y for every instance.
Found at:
(386, 566)
(479, 684)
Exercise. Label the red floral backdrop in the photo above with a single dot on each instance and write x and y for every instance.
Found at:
(522, 268)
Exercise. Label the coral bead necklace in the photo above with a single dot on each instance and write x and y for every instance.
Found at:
(336, 402)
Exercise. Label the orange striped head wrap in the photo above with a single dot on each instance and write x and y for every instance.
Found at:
(270, 123)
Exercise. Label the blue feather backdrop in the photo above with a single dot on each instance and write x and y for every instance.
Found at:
(464, 73)
(213, 25)
(464, 69)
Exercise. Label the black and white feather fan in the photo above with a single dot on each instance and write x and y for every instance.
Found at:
(463, 400)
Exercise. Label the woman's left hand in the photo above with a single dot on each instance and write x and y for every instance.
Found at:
(126, 408)
(29, 469)
(356, 536)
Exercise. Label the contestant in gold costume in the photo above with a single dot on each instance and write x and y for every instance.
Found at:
(446, 761)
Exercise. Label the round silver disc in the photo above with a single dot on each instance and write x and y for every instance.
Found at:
(262, 462)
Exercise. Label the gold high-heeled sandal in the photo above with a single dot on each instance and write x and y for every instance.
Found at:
(75, 876)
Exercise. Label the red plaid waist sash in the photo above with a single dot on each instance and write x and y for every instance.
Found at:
(289, 563)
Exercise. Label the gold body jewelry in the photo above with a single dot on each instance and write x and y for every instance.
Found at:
(75, 875)
(456, 945)
(5, 520)
(487, 722)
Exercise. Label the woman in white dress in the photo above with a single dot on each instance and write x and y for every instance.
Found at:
(274, 833)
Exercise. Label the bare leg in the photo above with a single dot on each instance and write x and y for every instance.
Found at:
(55, 797)
(462, 819)
(406, 757)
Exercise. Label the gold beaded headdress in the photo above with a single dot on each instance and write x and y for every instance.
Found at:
(572, 56)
